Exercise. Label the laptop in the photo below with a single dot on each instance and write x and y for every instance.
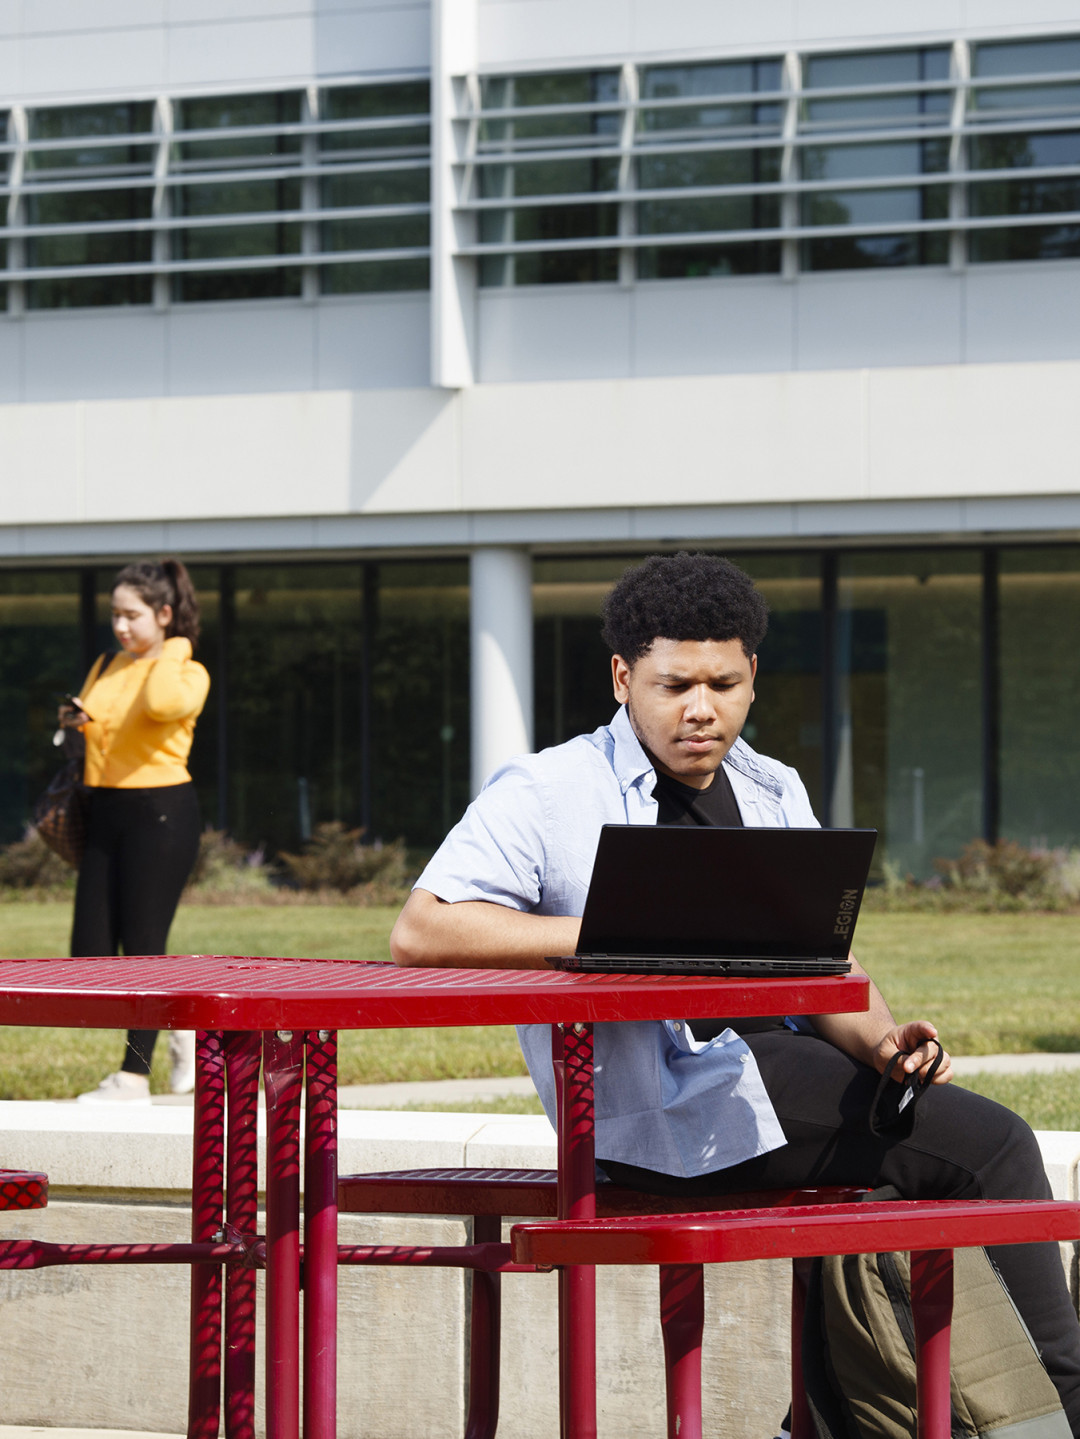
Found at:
(673, 899)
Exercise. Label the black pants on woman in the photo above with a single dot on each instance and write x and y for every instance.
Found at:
(955, 1145)
(140, 848)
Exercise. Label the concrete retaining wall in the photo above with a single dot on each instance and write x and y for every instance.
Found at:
(107, 1348)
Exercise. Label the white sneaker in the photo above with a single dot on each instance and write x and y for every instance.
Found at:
(182, 1060)
(119, 1088)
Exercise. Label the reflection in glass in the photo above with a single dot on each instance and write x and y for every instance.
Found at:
(40, 659)
(294, 701)
(265, 147)
(1039, 609)
(917, 68)
(88, 143)
(420, 700)
(909, 759)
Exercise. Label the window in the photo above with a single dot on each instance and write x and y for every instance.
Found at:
(243, 175)
(78, 198)
(700, 129)
(379, 162)
(852, 172)
(530, 129)
(1021, 96)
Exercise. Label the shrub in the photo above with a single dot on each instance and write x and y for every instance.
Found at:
(985, 877)
(225, 870)
(335, 859)
(30, 865)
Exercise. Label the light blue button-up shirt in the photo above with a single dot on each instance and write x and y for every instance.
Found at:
(663, 1101)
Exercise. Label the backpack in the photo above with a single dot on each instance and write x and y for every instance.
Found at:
(859, 1353)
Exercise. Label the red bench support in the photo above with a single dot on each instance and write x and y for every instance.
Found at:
(23, 1189)
(931, 1230)
(489, 1194)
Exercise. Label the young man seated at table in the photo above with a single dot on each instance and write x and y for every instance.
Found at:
(712, 1108)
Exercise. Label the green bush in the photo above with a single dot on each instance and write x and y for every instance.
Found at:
(29, 866)
(335, 859)
(226, 871)
(1005, 877)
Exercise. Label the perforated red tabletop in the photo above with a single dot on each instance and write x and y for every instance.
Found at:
(253, 993)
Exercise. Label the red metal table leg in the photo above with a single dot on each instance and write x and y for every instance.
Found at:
(320, 1237)
(283, 1076)
(572, 1056)
(207, 1203)
(243, 1057)
(485, 1338)
(682, 1320)
(931, 1307)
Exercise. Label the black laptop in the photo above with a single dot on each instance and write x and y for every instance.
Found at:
(673, 899)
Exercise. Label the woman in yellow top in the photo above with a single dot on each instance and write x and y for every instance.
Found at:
(137, 711)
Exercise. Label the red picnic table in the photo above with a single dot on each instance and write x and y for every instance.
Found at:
(284, 1015)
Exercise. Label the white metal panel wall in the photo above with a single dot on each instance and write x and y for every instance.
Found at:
(535, 33)
(840, 320)
(772, 440)
(82, 48)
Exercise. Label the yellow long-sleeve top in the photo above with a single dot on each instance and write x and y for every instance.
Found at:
(142, 718)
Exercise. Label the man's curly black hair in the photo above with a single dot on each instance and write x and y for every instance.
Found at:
(683, 597)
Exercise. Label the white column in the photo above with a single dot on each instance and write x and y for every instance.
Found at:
(500, 613)
(454, 34)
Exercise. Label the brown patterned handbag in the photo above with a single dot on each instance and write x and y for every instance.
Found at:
(60, 814)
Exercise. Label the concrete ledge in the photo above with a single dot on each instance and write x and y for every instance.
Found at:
(75, 1350)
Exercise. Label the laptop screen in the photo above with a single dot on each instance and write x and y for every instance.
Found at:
(711, 892)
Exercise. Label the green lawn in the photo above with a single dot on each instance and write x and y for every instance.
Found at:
(993, 983)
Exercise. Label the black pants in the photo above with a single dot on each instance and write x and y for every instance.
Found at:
(956, 1145)
(140, 848)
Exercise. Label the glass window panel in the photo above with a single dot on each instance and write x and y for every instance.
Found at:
(690, 262)
(740, 212)
(420, 700)
(576, 87)
(875, 207)
(1025, 197)
(114, 247)
(374, 102)
(865, 252)
(375, 275)
(1020, 151)
(547, 177)
(389, 233)
(380, 187)
(718, 167)
(1039, 604)
(564, 222)
(235, 242)
(294, 666)
(40, 659)
(205, 751)
(221, 112)
(90, 122)
(881, 67)
(571, 267)
(858, 162)
(1027, 242)
(910, 751)
(662, 82)
(1022, 58)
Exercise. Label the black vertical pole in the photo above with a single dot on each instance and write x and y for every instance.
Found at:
(88, 646)
(369, 620)
(991, 697)
(226, 616)
(830, 683)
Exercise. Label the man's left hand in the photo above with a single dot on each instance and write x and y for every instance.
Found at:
(913, 1041)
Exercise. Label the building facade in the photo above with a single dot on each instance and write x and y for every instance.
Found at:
(409, 325)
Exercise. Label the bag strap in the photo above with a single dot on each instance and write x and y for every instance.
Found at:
(896, 1100)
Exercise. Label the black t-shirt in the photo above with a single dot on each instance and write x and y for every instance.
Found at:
(683, 804)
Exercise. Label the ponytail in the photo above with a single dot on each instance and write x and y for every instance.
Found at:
(165, 583)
